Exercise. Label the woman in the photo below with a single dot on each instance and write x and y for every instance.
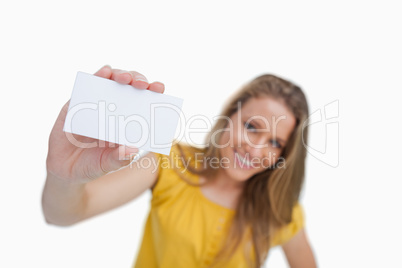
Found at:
(223, 205)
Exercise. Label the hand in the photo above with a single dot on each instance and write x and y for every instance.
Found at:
(73, 164)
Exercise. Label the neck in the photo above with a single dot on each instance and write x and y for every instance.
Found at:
(223, 182)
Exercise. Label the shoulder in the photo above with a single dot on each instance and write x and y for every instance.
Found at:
(173, 166)
(286, 232)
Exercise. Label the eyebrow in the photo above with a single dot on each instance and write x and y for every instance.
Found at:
(258, 125)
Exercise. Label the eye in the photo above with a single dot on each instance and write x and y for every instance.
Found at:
(249, 126)
(275, 144)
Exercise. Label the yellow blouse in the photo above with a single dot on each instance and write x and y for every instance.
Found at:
(184, 228)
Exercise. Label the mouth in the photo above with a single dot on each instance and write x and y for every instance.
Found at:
(242, 161)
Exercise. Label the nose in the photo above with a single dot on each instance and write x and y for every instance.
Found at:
(256, 147)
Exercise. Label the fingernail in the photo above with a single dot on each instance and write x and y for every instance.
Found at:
(131, 157)
(141, 80)
(127, 157)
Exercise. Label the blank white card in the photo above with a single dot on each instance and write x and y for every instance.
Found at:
(106, 110)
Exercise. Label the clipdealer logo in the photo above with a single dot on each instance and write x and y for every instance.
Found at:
(324, 123)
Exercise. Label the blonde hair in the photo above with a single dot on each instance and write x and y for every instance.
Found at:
(268, 198)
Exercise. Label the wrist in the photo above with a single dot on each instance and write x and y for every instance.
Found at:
(63, 201)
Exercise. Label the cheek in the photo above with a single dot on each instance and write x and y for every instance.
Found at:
(238, 136)
(224, 139)
(270, 158)
(231, 137)
(224, 144)
(273, 157)
(267, 161)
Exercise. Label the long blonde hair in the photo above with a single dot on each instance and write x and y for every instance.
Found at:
(268, 198)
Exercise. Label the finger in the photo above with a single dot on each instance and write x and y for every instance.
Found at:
(122, 77)
(116, 158)
(108, 144)
(105, 72)
(157, 87)
(139, 80)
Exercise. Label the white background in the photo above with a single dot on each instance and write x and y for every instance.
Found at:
(346, 51)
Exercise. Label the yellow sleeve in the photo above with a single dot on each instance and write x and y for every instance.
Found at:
(161, 183)
(285, 233)
(168, 178)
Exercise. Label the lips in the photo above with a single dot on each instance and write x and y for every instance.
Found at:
(242, 161)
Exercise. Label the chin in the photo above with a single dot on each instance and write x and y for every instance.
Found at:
(239, 170)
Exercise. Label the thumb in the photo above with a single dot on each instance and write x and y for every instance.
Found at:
(118, 157)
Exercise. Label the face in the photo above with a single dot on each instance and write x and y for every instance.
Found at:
(255, 137)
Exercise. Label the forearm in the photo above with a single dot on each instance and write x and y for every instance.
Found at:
(298, 252)
(306, 260)
(63, 203)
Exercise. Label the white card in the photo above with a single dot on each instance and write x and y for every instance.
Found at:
(106, 110)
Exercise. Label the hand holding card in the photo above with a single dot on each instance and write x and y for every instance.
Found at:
(104, 114)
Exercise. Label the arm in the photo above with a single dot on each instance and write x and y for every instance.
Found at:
(298, 252)
(65, 203)
(79, 184)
